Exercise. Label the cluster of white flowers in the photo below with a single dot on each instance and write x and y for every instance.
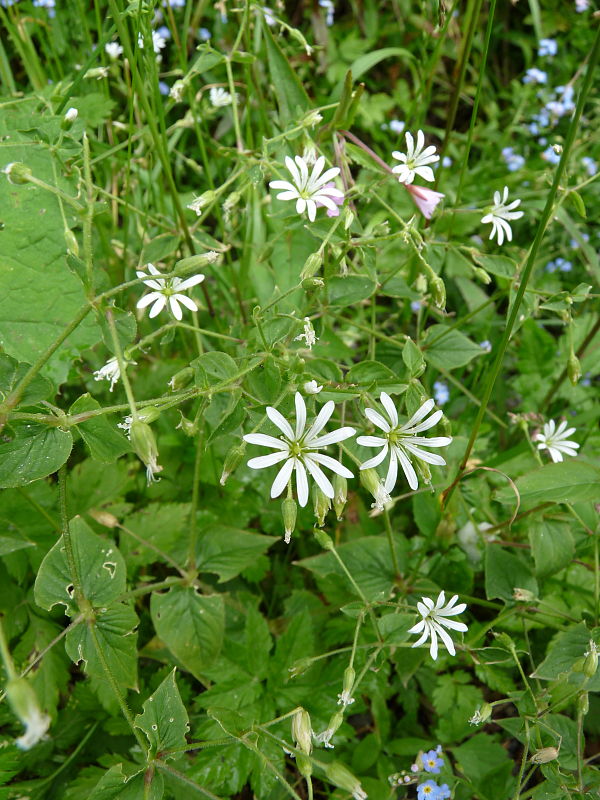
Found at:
(299, 449)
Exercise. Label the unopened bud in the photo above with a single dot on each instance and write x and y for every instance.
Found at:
(544, 755)
(323, 539)
(583, 703)
(421, 284)
(103, 518)
(313, 283)
(191, 264)
(348, 218)
(341, 776)
(312, 265)
(181, 379)
(372, 483)
(574, 369)
(199, 203)
(321, 505)
(299, 667)
(482, 275)
(438, 292)
(69, 118)
(24, 703)
(333, 725)
(302, 731)
(187, 426)
(311, 119)
(289, 512)
(304, 765)
(144, 444)
(340, 494)
(232, 461)
(17, 173)
(149, 414)
(176, 91)
(71, 242)
(423, 470)
(590, 665)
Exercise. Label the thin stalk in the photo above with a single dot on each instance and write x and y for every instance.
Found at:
(193, 534)
(580, 351)
(89, 217)
(358, 590)
(122, 365)
(390, 536)
(545, 219)
(179, 776)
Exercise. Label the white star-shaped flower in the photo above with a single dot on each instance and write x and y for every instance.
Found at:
(555, 440)
(113, 50)
(308, 190)
(298, 449)
(435, 619)
(402, 441)
(168, 291)
(500, 214)
(415, 160)
(110, 372)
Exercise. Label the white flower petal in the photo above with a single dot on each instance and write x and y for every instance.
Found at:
(265, 441)
(319, 477)
(301, 483)
(260, 462)
(282, 478)
(331, 463)
(280, 421)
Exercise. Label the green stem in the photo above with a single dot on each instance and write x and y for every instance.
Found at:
(545, 218)
(358, 590)
(390, 536)
(122, 365)
(179, 776)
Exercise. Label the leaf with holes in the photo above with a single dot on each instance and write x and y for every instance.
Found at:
(165, 720)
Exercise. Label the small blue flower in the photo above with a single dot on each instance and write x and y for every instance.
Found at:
(164, 32)
(548, 47)
(177, 3)
(330, 11)
(204, 34)
(486, 345)
(590, 166)
(575, 244)
(431, 761)
(428, 791)
(586, 380)
(535, 75)
(550, 266)
(163, 88)
(513, 160)
(397, 125)
(446, 161)
(550, 155)
(443, 792)
(415, 306)
(441, 396)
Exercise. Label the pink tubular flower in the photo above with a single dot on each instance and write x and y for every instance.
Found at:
(425, 199)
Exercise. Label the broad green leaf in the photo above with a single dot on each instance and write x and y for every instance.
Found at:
(100, 566)
(346, 291)
(565, 655)
(291, 97)
(487, 764)
(165, 720)
(367, 61)
(571, 481)
(373, 374)
(115, 785)
(413, 358)
(449, 349)
(505, 572)
(160, 247)
(191, 625)
(113, 632)
(11, 372)
(39, 295)
(501, 266)
(228, 551)
(9, 544)
(552, 546)
(212, 368)
(106, 443)
(29, 451)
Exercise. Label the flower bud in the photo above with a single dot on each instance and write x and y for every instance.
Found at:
(144, 444)
(544, 755)
(71, 242)
(103, 518)
(181, 379)
(341, 776)
(205, 199)
(312, 265)
(187, 426)
(421, 284)
(590, 665)
(289, 511)
(311, 119)
(17, 173)
(481, 715)
(345, 698)
(312, 387)
(340, 494)
(583, 703)
(232, 461)
(302, 731)
(149, 414)
(176, 91)
(574, 369)
(481, 275)
(321, 505)
(323, 539)
(372, 483)
(348, 218)
(68, 119)
(438, 292)
(299, 667)
(423, 469)
(24, 703)
(304, 765)
(313, 283)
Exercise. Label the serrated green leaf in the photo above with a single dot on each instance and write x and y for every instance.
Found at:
(100, 566)
(191, 625)
(29, 451)
(106, 443)
(569, 481)
(212, 368)
(164, 720)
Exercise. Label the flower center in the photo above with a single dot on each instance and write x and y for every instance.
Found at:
(295, 449)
